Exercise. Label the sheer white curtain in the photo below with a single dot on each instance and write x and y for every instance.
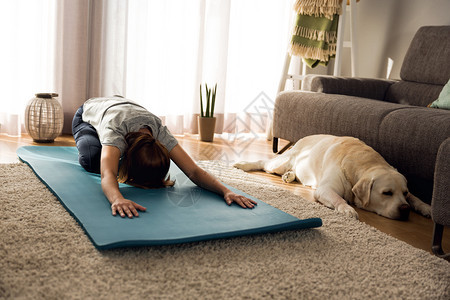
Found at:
(156, 52)
(27, 31)
(90, 51)
(173, 46)
(259, 35)
(164, 54)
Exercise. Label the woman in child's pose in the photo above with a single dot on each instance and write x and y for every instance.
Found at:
(108, 129)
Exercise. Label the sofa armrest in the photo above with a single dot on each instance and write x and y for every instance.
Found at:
(351, 86)
(440, 204)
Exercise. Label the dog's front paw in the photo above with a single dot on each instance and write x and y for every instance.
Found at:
(288, 177)
(347, 210)
(419, 206)
(425, 210)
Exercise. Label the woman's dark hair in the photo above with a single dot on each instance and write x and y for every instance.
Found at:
(145, 163)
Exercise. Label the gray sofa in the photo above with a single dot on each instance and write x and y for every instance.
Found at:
(390, 116)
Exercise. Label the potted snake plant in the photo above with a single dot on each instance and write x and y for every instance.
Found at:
(206, 120)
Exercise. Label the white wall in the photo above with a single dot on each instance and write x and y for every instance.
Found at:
(385, 30)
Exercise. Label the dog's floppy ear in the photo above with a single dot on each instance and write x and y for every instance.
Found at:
(362, 190)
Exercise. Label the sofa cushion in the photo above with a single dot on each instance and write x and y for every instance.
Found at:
(413, 93)
(298, 114)
(427, 58)
(352, 86)
(443, 101)
(410, 139)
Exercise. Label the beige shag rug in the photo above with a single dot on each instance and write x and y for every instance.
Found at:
(44, 254)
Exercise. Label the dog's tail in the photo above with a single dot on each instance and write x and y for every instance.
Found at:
(250, 166)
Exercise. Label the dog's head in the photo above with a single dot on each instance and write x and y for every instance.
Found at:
(383, 192)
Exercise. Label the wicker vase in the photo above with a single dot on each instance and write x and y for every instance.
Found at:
(44, 118)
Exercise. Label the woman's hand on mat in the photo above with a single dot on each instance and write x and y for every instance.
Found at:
(126, 207)
(239, 199)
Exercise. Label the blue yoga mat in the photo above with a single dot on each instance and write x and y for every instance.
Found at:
(179, 214)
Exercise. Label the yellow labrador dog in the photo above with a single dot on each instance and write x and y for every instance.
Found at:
(344, 169)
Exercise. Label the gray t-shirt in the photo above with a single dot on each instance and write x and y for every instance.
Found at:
(114, 117)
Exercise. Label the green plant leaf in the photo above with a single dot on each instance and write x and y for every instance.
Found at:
(213, 102)
(208, 100)
(201, 102)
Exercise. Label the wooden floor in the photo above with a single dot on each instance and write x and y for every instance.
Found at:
(417, 231)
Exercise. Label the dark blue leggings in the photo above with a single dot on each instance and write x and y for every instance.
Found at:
(88, 143)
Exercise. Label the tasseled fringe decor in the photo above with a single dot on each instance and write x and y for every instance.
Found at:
(314, 36)
(322, 55)
(317, 8)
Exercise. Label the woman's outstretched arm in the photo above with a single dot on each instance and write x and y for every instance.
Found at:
(109, 166)
(205, 180)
